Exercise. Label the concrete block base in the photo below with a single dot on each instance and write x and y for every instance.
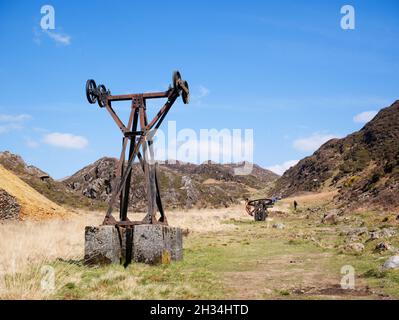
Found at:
(102, 245)
(151, 244)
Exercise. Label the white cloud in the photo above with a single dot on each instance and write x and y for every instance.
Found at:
(66, 140)
(203, 92)
(9, 127)
(12, 122)
(31, 143)
(365, 117)
(283, 167)
(59, 38)
(12, 118)
(312, 142)
(200, 93)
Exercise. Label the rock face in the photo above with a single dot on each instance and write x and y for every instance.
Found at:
(150, 244)
(364, 166)
(9, 206)
(182, 185)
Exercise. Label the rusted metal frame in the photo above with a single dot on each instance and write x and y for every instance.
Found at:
(126, 189)
(157, 122)
(150, 95)
(158, 198)
(121, 163)
(148, 170)
(114, 116)
(155, 168)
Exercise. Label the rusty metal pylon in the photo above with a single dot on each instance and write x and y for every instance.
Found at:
(258, 208)
(140, 146)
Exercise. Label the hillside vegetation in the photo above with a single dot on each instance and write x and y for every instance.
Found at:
(364, 166)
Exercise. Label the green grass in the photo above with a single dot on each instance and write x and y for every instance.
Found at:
(215, 265)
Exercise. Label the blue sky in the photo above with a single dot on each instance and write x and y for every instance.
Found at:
(285, 69)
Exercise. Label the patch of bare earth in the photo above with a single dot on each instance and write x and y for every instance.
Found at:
(298, 276)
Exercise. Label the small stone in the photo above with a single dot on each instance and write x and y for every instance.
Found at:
(383, 233)
(358, 231)
(331, 217)
(391, 263)
(353, 238)
(388, 232)
(383, 246)
(278, 226)
(356, 247)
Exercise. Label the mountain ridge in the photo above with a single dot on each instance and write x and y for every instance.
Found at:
(363, 166)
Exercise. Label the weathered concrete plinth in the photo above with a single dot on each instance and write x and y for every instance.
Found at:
(151, 244)
(102, 245)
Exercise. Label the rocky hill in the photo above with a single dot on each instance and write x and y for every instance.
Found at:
(183, 185)
(364, 166)
(43, 183)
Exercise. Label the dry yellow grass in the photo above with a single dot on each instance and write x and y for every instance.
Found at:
(27, 243)
(33, 204)
(33, 244)
(308, 199)
(202, 220)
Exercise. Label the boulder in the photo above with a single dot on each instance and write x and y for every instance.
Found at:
(354, 247)
(331, 217)
(383, 233)
(383, 246)
(358, 231)
(278, 226)
(391, 263)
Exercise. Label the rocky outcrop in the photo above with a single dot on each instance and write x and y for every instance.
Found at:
(182, 185)
(9, 206)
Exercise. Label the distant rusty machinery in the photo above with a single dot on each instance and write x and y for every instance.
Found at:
(258, 208)
(141, 146)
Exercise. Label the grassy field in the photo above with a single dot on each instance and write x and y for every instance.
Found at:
(226, 256)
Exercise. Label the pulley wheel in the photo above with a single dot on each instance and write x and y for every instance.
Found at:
(186, 95)
(176, 78)
(91, 89)
(103, 93)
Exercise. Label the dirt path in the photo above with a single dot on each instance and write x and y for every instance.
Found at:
(292, 277)
(286, 267)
